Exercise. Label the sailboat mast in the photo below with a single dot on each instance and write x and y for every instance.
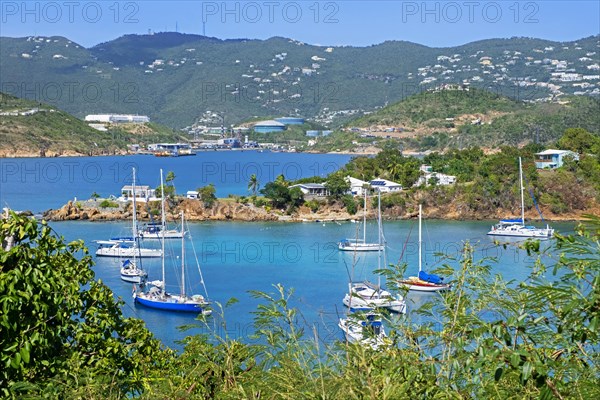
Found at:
(522, 190)
(162, 236)
(365, 217)
(420, 240)
(182, 259)
(134, 219)
(379, 237)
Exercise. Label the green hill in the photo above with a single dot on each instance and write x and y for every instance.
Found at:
(30, 128)
(177, 79)
(463, 117)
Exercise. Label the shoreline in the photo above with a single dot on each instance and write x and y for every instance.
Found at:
(227, 210)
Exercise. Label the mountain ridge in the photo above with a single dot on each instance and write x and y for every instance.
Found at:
(179, 79)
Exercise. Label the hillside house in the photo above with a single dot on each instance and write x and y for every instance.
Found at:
(553, 158)
(428, 176)
(312, 189)
(357, 187)
(385, 186)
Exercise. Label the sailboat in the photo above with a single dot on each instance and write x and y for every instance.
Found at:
(126, 247)
(366, 295)
(516, 227)
(158, 298)
(154, 230)
(360, 244)
(366, 329)
(424, 282)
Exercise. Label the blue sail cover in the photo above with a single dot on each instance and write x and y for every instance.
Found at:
(431, 278)
(512, 221)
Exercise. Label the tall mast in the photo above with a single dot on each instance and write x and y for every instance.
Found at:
(182, 260)
(522, 189)
(365, 217)
(133, 220)
(420, 240)
(162, 237)
(379, 237)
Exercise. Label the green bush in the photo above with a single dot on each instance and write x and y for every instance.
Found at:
(350, 204)
(108, 204)
(313, 205)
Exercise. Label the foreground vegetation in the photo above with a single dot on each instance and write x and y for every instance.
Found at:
(62, 335)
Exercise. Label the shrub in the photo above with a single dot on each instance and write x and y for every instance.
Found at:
(108, 204)
(350, 204)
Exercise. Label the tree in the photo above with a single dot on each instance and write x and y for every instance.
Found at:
(580, 141)
(207, 195)
(253, 184)
(60, 330)
(337, 185)
(95, 196)
(279, 194)
(170, 178)
(281, 180)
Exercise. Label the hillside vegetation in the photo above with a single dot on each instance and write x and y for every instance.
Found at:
(30, 128)
(463, 117)
(179, 79)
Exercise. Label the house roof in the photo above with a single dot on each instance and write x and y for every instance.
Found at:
(310, 185)
(356, 181)
(137, 187)
(269, 123)
(552, 151)
(383, 182)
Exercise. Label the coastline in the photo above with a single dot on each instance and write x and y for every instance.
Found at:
(230, 210)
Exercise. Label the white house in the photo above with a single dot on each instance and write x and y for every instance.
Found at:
(191, 194)
(427, 174)
(117, 118)
(385, 186)
(357, 187)
(553, 158)
(142, 193)
(312, 189)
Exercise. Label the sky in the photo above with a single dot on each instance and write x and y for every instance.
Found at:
(332, 23)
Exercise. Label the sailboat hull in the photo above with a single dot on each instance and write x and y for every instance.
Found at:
(349, 246)
(127, 252)
(173, 303)
(417, 285)
(521, 231)
(365, 296)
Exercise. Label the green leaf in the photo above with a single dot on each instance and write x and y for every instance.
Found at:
(498, 374)
(527, 370)
(24, 355)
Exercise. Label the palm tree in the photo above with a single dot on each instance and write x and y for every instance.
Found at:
(253, 184)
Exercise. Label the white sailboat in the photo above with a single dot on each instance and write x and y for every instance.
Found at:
(517, 227)
(360, 244)
(424, 282)
(366, 295)
(126, 247)
(366, 329)
(158, 298)
(153, 230)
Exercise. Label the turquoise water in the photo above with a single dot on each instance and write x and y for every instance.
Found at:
(37, 184)
(238, 257)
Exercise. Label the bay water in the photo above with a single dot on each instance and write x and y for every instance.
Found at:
(237, 257)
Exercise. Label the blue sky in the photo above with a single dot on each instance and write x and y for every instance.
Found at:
(358, 23)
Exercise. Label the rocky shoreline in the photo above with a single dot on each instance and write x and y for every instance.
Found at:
(231, 210)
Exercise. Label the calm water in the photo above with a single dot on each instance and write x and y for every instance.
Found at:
(37, 184)
(238, 257)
